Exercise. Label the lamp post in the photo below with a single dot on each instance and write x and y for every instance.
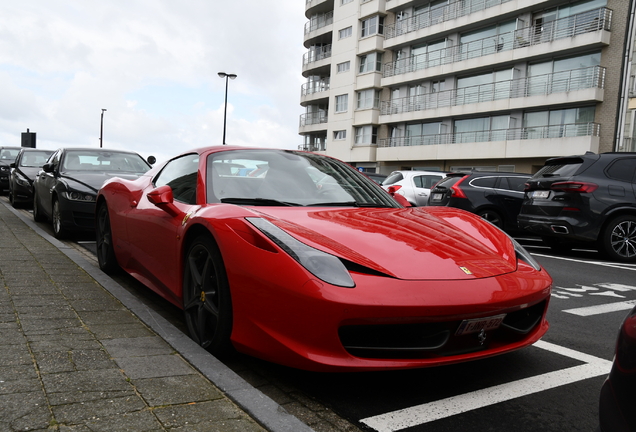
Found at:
(101, 128)
(226, 76)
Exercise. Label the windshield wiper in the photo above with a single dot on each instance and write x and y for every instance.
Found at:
(348, 204)
(257, 202)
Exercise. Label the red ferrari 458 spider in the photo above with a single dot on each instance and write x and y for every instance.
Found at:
(299, 259)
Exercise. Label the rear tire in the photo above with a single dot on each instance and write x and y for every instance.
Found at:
(618, 239)
(104, 241)
(493, 217)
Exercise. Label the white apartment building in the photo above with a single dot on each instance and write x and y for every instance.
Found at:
(460, 84)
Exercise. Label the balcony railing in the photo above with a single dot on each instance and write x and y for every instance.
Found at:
(312, 147)
(591, 21)
(535, 132)
(319, 21)
(314, 87)
(557, 82)
(317, 53)
(453, 10)
(313, 118)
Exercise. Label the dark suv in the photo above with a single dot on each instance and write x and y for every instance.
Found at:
(495, 196)
(589, 198)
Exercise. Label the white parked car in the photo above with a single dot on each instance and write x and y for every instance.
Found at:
(415, 186)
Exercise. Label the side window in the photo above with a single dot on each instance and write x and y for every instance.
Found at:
(484, 182)
(514, 183)
(181, 175)
(418, 180)
(623, 170)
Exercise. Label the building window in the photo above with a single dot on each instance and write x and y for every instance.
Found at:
(345, 1)
(343, 67)
(366, 135)
(339, 135)
(342, 102)
(371, 62)
(373, 25)
(345, 33)
(368, 99)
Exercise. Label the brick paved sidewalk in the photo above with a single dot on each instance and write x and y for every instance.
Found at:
(73, 358)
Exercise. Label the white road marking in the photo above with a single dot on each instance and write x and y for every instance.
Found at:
(425, 413)
(599, 263)
(601, 309)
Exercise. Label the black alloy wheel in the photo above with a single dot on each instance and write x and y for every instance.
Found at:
(491, 216)
(618, 239)
(104, 241)
(56, 218)
(37, 214)
(206, 296)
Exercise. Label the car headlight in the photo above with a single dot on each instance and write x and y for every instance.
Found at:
(524, 255)
(22, 181)
(4, 168)
(321, 264)
(78, 196)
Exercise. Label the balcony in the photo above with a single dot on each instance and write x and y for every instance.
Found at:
(314, 87)
(587, 22)
(540, 85)
(526, 133)
(318, 22)
(313, 118)
(451, 11)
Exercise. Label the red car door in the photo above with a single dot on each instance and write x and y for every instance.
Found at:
(153, 229)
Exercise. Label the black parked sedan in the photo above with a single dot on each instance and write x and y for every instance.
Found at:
(7, 156)
(25, 168)
(65, 189)
(495, 196)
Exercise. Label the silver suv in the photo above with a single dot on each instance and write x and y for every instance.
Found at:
(415, 186)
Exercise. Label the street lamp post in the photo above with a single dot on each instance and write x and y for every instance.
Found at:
(101, 128)
(226, 76)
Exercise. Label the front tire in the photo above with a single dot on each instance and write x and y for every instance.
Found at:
(56, 219)
(37, 213)
(104, 241)
(618, 239)
(206, 297)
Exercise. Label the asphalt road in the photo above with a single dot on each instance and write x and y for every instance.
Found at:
(551, 386)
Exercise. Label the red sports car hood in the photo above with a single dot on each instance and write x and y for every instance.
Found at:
(408, 243)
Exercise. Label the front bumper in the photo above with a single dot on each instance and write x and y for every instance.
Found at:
(77, 215)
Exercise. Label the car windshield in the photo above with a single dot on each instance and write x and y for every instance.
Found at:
(101, 161)
(290, 178)
(8, 155)
(34, 159)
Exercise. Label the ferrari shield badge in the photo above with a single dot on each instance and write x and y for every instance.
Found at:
(185, 218)
(465, 270)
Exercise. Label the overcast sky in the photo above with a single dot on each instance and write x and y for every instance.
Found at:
(153, 65)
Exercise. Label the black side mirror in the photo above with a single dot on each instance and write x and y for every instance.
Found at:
(48, 167)
(12, 165)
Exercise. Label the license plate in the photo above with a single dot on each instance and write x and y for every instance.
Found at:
(479, 324)
(541, 194)
(437, 197)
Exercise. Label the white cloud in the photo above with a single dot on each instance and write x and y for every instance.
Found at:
(153, 65)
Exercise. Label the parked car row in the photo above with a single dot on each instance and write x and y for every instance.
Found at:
(62, 185)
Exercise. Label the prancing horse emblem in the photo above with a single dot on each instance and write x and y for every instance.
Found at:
(482, 337)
